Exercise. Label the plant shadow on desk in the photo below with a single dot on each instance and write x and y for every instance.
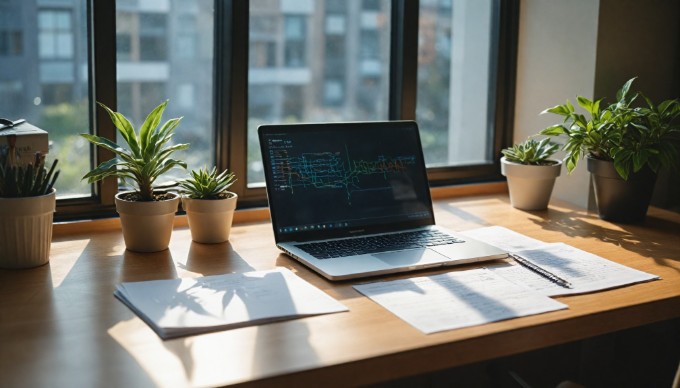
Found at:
(642, 239)
(214, 259)
(147, 266)
(266, 350)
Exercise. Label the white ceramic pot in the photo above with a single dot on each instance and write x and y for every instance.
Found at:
(147, 226)
(210, 219)
(26, 230)
(530, 186)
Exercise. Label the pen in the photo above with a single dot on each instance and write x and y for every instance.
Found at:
(541, 271)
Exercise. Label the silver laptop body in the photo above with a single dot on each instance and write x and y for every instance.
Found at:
(351, 200)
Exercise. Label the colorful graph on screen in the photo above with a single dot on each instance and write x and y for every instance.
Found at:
(333, 170)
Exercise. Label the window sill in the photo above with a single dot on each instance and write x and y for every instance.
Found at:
(62, 229)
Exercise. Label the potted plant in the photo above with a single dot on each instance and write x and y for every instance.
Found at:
(27, 204)
(624, 145)
(531, 174)
(147, 212)
(208, 204)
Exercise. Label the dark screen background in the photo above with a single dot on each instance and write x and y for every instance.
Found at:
(342, 177)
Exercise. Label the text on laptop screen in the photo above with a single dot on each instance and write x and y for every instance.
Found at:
(345, 178)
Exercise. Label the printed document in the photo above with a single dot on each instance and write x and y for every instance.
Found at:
(457, 299)
(503, 238)
(585, 271)
(179, 307)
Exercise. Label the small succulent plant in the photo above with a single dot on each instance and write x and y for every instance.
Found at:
(204, 184)
(531, 152)
(30, 180)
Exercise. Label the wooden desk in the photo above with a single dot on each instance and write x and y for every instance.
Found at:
(61, 326)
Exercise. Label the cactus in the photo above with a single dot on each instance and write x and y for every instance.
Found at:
(31, 180)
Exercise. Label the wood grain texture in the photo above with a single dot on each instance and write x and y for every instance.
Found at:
(61, 326)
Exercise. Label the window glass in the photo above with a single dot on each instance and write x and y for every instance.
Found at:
(295, 27)
(44, 79)
(55, 36)
(11, 42)
(150, 73)
(306, 64)
(456, 80)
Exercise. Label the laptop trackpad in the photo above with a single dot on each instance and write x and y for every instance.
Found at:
(409, 257)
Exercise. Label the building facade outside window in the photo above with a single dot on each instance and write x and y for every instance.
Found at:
(300, 61)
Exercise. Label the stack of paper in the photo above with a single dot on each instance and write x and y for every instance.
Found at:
(179, 307)
(474, 297)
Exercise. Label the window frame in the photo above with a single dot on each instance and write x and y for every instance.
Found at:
(230, 72)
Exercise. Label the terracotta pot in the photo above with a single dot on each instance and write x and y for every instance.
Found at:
(530, 186)
(210, 219)
(621, 200)
(26, 230)
(147, 226)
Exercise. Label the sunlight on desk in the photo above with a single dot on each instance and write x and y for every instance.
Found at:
(67, 329)
(63, 257)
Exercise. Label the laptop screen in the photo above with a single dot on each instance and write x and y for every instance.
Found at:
(335, 180)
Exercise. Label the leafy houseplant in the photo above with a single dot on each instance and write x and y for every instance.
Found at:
(625, 146)
(147, 212)
(631, 137)
(209, 205)
(27, 204)
(531, 174)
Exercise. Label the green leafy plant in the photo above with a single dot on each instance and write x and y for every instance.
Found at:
(531, 152)
(631, 137)
(29, 180)
(204, 184)
(147, 156)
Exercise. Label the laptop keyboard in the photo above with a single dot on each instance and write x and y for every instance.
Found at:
(375, 244)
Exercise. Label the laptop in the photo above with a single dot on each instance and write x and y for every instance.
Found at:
(352, 200)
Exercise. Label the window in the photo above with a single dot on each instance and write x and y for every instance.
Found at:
(314, 87)
(149, 74)
(228, 66)
(456, 89)
(295, 34)
(11, 37)
(46, 82)
(153, 40)
(124, 46)
(55, 37)
(187, 37)
(11, 43)
(333, 92)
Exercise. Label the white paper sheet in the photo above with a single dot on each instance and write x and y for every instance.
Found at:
(457, 299)
(178, 307)
(585, 271)
(503, 238)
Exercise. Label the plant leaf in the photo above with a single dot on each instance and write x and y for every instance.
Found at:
(585, 104)
(150, 123)
(561, 110)
(124, 127)
(555, 130)
(621, 94)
